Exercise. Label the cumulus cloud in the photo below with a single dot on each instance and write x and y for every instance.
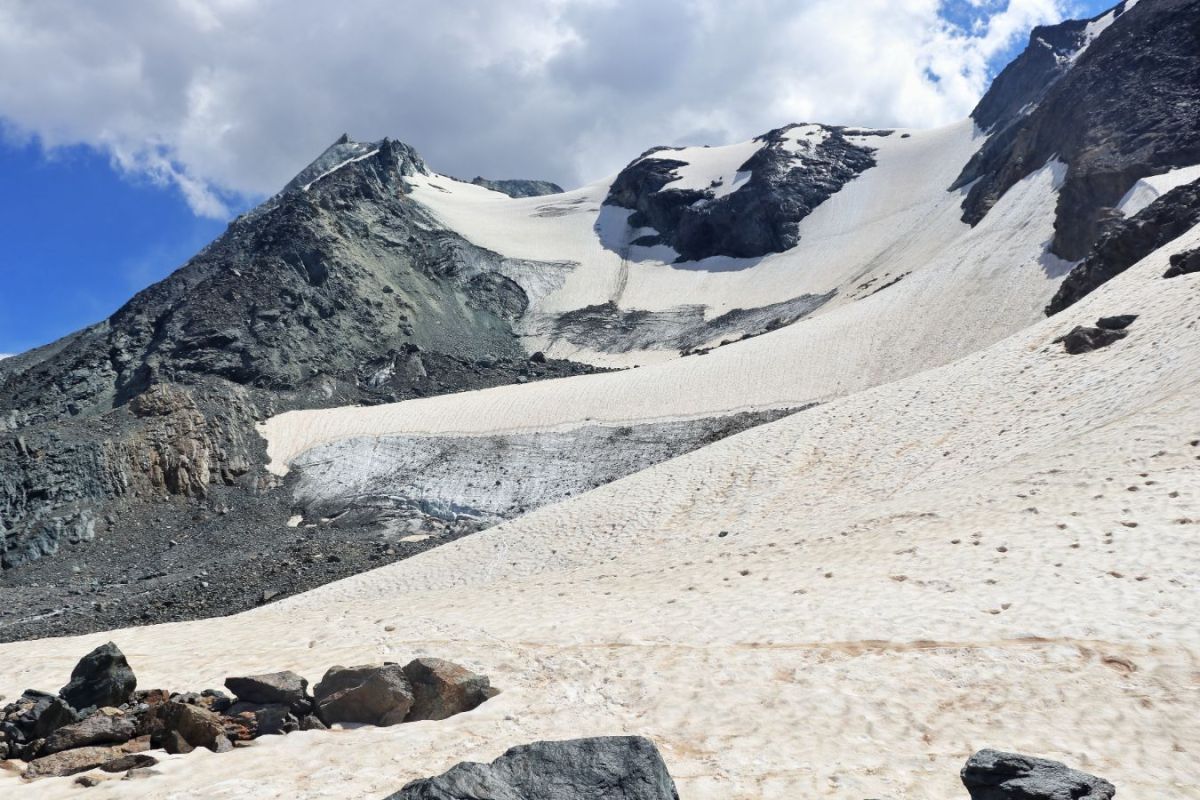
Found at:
(227, 99)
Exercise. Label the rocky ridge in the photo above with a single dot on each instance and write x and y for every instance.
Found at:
(1079, 95)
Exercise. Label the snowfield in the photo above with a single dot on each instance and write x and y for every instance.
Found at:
(956, 550)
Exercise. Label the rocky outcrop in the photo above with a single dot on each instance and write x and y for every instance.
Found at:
(101, 678)
(519, 187)
(995, 775)
(1113, 118)
(373, 695)
(613, 768)
(785, 181)
(1128, 241)
(442, 689)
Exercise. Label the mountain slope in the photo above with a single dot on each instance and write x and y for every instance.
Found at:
(880, 584)
(805, 265)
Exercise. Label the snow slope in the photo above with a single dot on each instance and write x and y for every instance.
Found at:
(997, 552)
(1147, 190)
(890, 220)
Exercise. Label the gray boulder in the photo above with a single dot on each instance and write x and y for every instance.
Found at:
(101, 678)
(275, 688)
(442, 688)
(372, 695)
(605, 768)
(99, 728)
(995, 775)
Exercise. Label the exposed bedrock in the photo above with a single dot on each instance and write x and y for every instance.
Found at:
(609, 329)
(421, 484)
(1128, 241)
(1123, 109)
(784, 183)
(519, 187)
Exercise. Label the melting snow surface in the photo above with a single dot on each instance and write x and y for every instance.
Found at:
(1147, 190)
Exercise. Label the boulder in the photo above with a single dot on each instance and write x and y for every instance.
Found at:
(189, 725)
(286, 688)
(47, 715)
(995, 775)
(1085, 340)
(375, 695)
(131, 761)
(613, 768)
(99, 728)
(442, 688)
(81, 759)
(101, 678)
(251, 720)
(1183, 264)
(1117, 323)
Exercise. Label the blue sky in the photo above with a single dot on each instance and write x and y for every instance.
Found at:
(101, 196)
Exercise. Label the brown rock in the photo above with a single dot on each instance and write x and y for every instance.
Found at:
(81, 759)
(195, 726)
(442, 688)
(374, 695)
(130, 762)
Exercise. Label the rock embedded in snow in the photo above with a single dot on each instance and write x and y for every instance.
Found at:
(608, 768)
(1083, 339)
(1118, 322)
(370, 694)
(996, 775)
(101, 678)
(517, 187)
(1183, 264)
(442, 689)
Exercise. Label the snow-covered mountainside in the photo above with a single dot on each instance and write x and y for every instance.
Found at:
(769, 451)
(381, 358)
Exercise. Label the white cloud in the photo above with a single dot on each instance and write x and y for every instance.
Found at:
(232, 97)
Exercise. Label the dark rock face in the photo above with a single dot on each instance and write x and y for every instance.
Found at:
(786, 182)
(442, 689)
(284, 688)
(374, 695)
(101, 678)
(519, 187)
(1125, 109)
(994, 775)
(613, 768)
(1185, 263)
(1128, 241)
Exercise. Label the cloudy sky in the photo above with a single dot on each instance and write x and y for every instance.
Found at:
(131, 130)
